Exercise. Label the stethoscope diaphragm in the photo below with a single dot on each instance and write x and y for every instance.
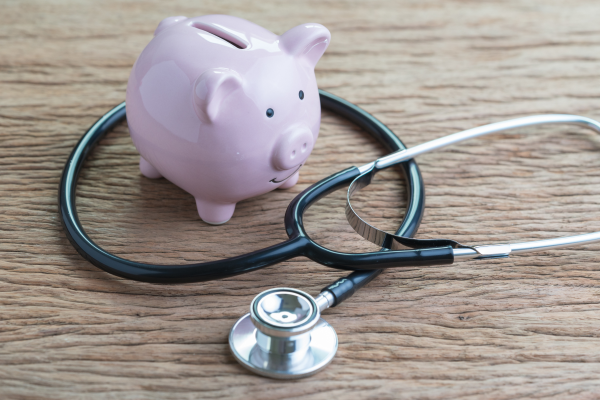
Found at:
(283, 336)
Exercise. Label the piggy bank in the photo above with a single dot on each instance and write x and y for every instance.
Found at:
(224, 108)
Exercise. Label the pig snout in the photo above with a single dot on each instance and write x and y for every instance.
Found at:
(293, 148)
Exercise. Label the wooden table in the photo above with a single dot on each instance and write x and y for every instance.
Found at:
(520, 327)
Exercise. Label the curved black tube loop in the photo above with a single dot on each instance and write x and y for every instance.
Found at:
(299, 242)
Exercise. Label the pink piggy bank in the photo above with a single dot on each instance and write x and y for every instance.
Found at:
(225, 109)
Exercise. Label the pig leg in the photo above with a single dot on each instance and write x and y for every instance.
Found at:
(148, 170)
(291, 181)
(214, 213)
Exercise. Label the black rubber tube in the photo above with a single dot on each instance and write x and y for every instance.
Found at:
(298, 244)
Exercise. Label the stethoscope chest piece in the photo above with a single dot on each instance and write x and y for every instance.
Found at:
(283, 336)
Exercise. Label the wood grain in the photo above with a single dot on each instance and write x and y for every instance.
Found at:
(525, 327)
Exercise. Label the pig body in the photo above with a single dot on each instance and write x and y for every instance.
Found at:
(225, 109)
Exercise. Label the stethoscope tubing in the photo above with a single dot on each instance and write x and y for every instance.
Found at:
(366, 265)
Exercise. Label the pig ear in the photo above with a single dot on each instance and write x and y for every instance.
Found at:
(211, 88)
(165, 23)
(307, 41)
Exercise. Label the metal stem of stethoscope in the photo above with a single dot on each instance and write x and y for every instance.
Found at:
(460, 251)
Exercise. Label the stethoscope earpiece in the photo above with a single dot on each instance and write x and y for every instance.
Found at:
(284, 336)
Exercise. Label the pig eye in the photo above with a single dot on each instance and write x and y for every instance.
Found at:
(301, 95)
(270, 112)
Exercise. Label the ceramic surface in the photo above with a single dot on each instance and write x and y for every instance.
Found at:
(224, 108)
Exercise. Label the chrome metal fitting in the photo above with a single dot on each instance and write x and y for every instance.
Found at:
(283, 336)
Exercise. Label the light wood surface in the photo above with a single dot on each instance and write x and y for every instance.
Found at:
(524, 327)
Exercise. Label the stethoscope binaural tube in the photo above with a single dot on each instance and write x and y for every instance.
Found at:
(461, 251)
(299, 242)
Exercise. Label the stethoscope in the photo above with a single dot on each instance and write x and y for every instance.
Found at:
(284, 335)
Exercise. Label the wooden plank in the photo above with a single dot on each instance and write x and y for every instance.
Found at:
(519, 327)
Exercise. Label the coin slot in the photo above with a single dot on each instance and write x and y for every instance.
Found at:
(219, 32)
